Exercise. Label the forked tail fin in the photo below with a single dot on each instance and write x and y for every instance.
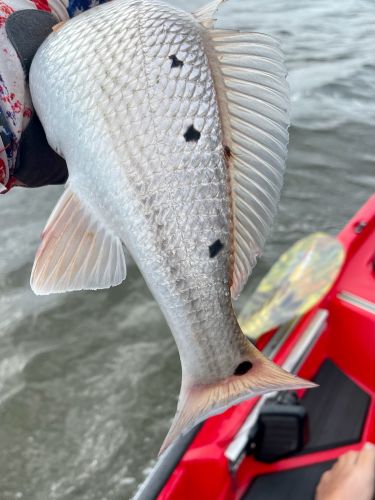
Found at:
(198, 402)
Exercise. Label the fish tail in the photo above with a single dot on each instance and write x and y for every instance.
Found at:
(252, 378)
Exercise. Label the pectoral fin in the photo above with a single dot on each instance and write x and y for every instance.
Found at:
(77, 251)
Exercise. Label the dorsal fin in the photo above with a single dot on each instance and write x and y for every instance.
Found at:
(205, 14)
(253, 98)
(77, 251)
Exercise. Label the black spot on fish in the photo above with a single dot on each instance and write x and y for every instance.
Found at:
(243, 368)
(176, 63)
(227, 152)
(192, 134)
(215, 248)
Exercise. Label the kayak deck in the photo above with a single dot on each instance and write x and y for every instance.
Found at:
(338, 396)
(342, 410)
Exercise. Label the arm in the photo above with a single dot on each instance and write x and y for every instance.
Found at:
(25, 156)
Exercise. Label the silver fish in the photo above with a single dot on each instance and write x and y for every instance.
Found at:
(175, 137)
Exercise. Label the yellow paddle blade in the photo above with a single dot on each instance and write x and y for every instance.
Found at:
(294, 284)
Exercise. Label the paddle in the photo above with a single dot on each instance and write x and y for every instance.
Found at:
(294, 284)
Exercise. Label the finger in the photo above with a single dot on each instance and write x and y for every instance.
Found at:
(366, 457)
(349, 458)
(326, 476)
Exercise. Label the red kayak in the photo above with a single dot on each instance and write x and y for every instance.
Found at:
(277, 446)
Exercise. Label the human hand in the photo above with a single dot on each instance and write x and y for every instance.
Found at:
(351, 478)
(26, 159)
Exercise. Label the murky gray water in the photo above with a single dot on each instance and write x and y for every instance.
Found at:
(89, 380)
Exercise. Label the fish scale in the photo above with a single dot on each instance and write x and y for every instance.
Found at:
(144, 143)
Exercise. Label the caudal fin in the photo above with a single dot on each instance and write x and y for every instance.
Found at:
(198, 402)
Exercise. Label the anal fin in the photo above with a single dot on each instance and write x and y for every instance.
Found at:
(77, 251)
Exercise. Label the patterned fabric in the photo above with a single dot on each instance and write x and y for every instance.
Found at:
(15, 103)
(77, 6)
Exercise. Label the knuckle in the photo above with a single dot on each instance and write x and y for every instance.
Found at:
(326, 475)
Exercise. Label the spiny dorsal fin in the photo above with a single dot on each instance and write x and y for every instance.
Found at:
(253, 97)
(77, 251)
(205, 14)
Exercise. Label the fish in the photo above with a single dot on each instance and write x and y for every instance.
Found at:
(175, 136)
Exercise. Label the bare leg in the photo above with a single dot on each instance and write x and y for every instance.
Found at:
(352, 477)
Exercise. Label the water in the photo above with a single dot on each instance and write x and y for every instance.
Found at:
(89, 380)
